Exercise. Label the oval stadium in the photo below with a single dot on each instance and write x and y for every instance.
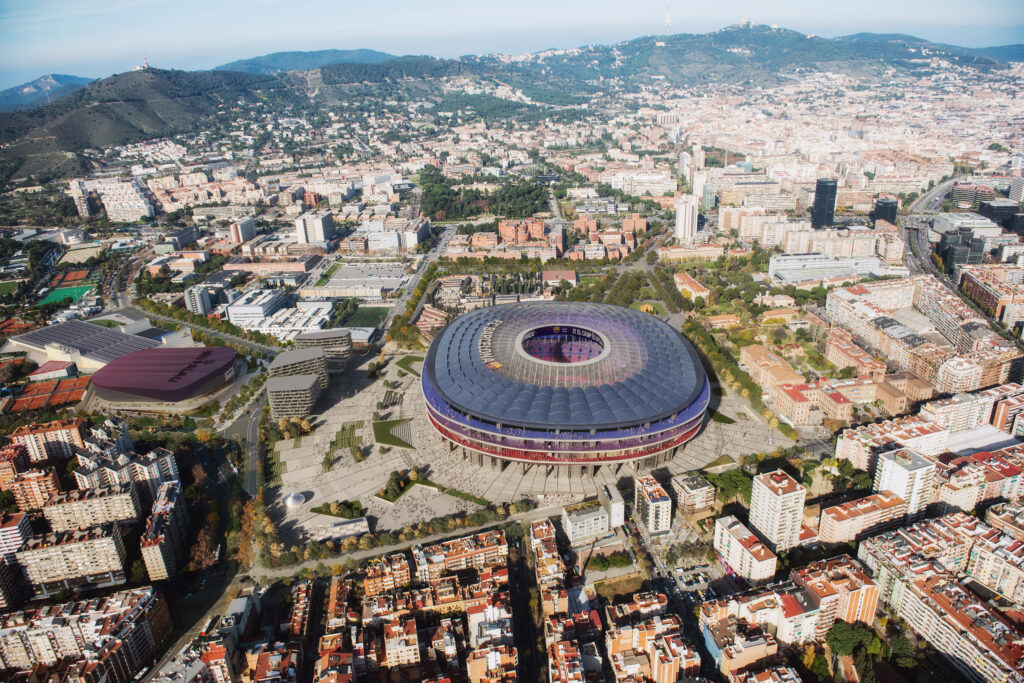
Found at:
(559, 383)
(152, 378)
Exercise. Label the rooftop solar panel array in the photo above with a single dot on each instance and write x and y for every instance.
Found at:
(91, 341)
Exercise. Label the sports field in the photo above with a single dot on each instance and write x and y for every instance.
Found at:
(74, 293)
(367, 316)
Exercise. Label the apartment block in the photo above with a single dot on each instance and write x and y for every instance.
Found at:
(68, 559)
(693, 493)
(908, 475)
(58, 439)
(768, 370)
(655, 650)
(840, 589)
(978, 358)
(102, 468)
(1007, 518)
(585, 522)
(997, 562)
(614, 504)
(83, 508)
(966, 482)
(776, 509)
(860, 445)
(651, 505)
(165, 540)
(108, 638)
(739, 548)
(14, 529)
(841, 351)
(932, 547)
(401, 643)
(493, 664)
(480, 551)
(386, 575)
(979, 641)
(860, 517)
(737, 646)
(968, 410)
(33, 488)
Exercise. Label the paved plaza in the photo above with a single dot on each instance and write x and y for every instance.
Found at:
(353, 398)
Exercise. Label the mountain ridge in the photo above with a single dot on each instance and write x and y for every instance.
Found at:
(303, 60)
(43, 90)
(153, 102)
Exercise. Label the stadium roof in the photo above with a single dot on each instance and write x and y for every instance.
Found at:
(166, 374)
(91, 341)
(645, 370)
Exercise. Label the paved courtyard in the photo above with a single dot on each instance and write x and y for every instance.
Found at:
(353, 398)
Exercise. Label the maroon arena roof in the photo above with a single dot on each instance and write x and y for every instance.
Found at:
(165, 374)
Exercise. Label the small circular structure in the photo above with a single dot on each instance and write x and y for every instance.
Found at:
(294, 500)
(562, 383)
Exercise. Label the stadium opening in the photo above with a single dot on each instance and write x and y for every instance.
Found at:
(563, 384)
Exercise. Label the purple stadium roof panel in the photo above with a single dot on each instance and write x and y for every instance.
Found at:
(165, 374)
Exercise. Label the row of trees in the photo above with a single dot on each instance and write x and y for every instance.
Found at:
(402, 330)
(215, 325)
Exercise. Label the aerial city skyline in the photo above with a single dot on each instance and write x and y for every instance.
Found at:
(470, 342)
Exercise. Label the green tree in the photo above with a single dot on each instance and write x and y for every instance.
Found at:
(841, 638)
(902, 652)
(138, 573)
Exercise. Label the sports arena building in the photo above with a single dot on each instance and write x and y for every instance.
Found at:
(563, 384)
(158, 379)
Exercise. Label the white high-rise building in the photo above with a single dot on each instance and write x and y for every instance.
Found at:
(651, 505)
(777, 508)
(909, 475)
(685, 162)
(197, 300)
(242, 230)
(612, 500)
(686, 218)
(700, 179)
(1017, 190)
(698, 157)
(314, 227)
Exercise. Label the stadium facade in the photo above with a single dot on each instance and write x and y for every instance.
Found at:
(562, 384)
(165, 375)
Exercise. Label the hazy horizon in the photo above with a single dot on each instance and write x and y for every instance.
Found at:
(55, 36)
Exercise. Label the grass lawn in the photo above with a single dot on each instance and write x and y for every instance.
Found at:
(106, 323)
(274, 468)
(328, 274)
(406, 363)
(382, 433)
(722, 460)
(9, 287)
(623, 585)
(368, 316)
(659, 308)
(723, 419)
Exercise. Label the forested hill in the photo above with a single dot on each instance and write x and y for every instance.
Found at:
(303, 61)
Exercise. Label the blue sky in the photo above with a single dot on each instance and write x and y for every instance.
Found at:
(103, 37)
